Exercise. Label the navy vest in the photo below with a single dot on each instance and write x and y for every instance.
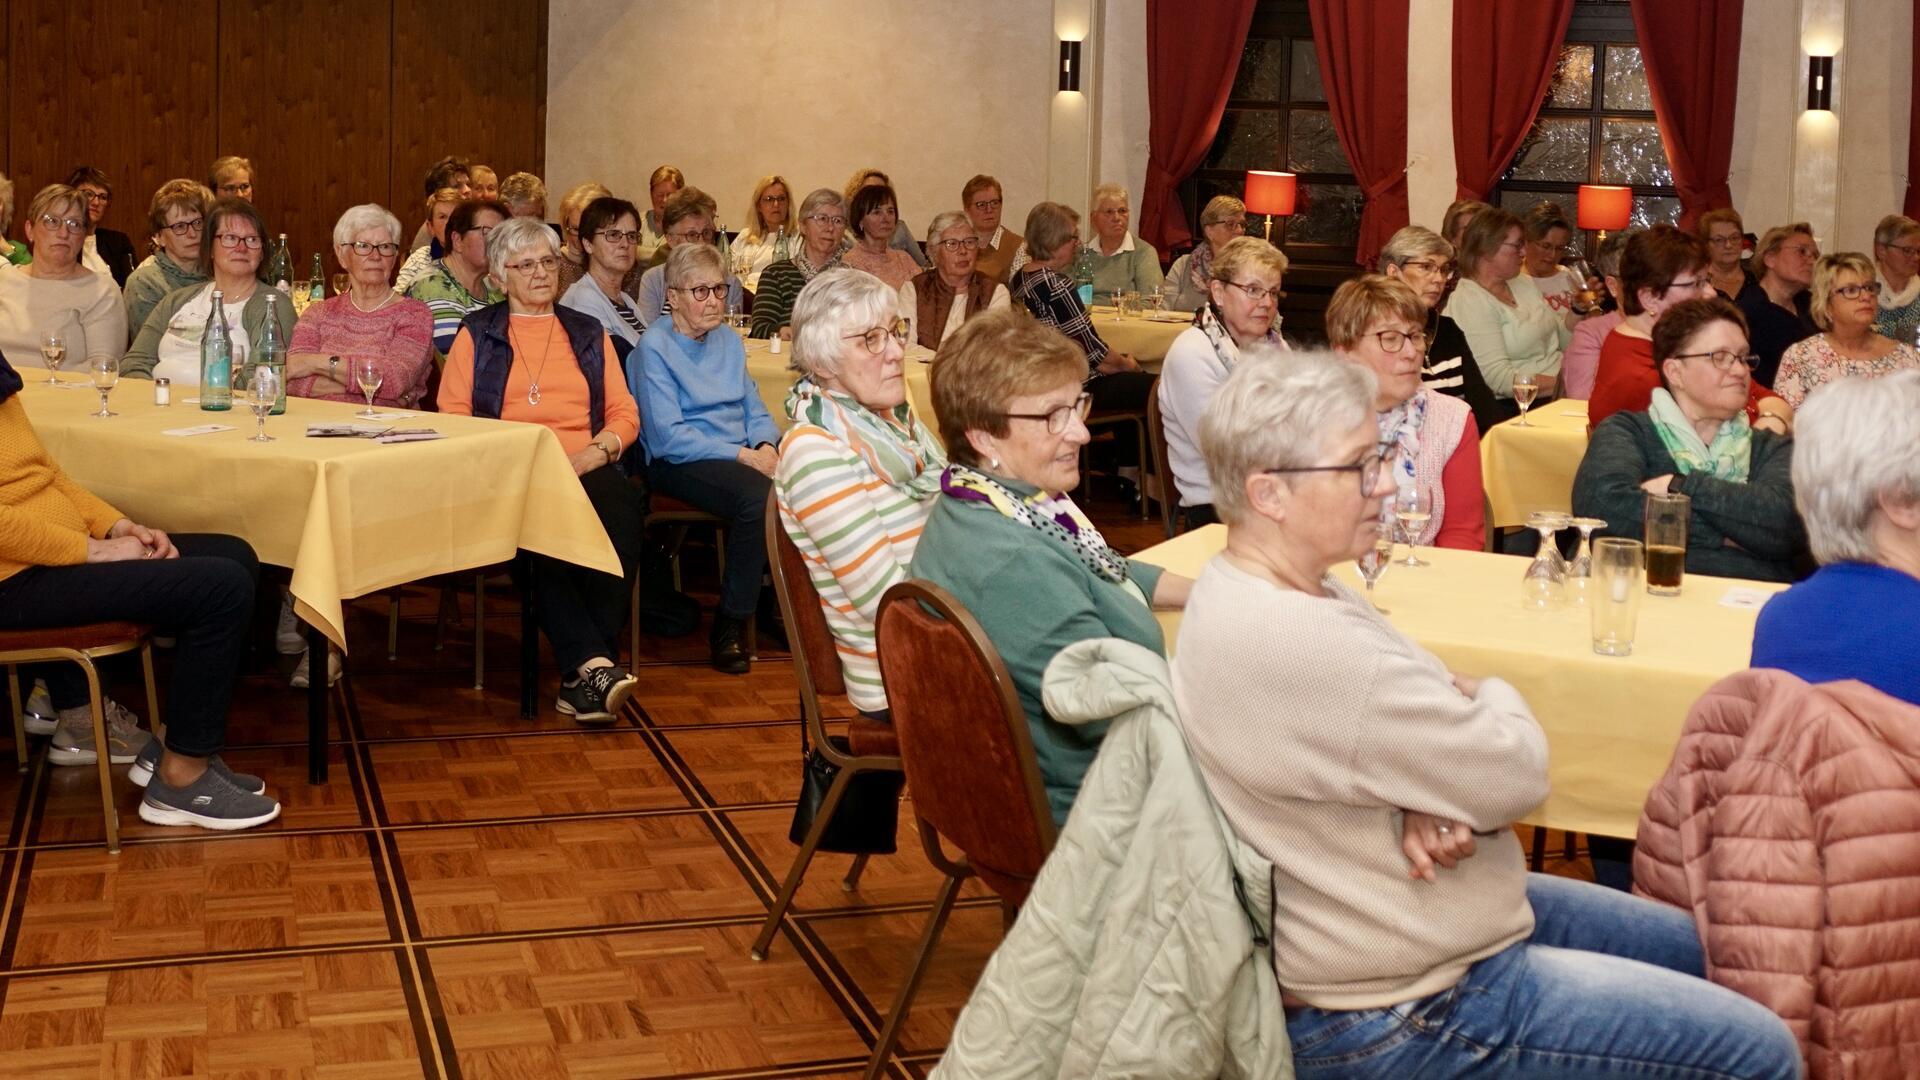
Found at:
(493, 357)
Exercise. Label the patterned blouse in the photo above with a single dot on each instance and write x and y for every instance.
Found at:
(1051, 297)
(1813, 362)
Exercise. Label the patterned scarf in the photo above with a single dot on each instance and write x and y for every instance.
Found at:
(807, 269)
(1053, 516)
(1224, 347)
(1401, 426)
(894, 446)
(1200, 266)
(1729, 458)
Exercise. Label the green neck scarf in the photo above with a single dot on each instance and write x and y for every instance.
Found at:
(1730, 456)
(894, 446)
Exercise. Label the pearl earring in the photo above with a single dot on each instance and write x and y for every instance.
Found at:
(993, 463)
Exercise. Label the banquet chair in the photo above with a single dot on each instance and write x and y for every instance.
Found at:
(82, 645)
(665, 510)
(869, 745)
(1116, 418)
(1162, 472)
(968, 756)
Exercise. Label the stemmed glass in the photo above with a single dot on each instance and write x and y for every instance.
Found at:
(1580, 570)
(263, 392)
(1524, 392)
(53, 350)
(1413, 508)
(367, 374)
(340, 283)
(1544, 585)
(106, 375)
(1373, 563)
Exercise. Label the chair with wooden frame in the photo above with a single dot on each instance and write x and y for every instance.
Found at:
(82, 645)
(1162, 471)
(968, 756)
(869, 746)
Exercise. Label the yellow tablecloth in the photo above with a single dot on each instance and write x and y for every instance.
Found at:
(1147, 339)
(350, 516)
(774, 378)
(1611, 722)
(1531, 468)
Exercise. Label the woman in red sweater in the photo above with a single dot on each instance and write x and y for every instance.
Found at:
(1380, 323)
(1660, 267)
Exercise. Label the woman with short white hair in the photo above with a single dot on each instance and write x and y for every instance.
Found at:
(1856, 481)
(1414, 941)
(1122, 262)
(858, 471)
(935, 302)
(1896, 255)
(367, 323)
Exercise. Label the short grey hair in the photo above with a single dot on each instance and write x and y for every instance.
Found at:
(515, 237)
(1050, 226)
(366, 216)
(1277, 410)
(818, 198)
(1413, 242)
(834, 304)
(1109, 190)
(688, 259)
(1856, 441)
(944, 220)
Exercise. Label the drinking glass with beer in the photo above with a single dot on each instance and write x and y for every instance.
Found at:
(1666, 535)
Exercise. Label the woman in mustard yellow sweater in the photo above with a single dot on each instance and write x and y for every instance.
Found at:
(66, 559)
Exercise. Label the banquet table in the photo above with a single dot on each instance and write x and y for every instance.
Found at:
(1147, 338)
(350, 516)
(774, 378)
(1524, 469)
(1611, 722)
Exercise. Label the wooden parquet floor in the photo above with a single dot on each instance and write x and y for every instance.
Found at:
(472, 895)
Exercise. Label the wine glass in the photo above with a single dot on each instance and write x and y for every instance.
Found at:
(53, 350)
(1373, 563)
(263, 392)
(1580, 570)
(367, 374)
(1544, 585)
(106, 375)
(1413, 508)
(340, 283)
(1524, 392)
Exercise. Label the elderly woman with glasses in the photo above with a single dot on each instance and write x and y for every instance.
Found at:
(874, 215)
(609, 229)
(1694, 439)
(1413, 942)
(1548, 231)
(1424, 260)
(532, 361)
(1006, 540)
(1726, 237)
(823, 217)
(689, 219)
(56, 294)
(176, 224)
(1379, 323)
(709, 439)
(983, 203)
(231, 255)
(107, 251)
(1896, 253)
(1223, 219)
(456, 284)
(1122, 262)
(935, 302)
(367, 324)
(1515, 336)
(1849, 346)
(772, 231)
(1241, 313)
(1778, 302)
(858, 471)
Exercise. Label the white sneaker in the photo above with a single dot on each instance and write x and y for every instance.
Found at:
(40, 716)
(301, 680)
(290, 638)
(72, 742)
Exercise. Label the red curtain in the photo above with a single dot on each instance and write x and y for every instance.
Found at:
(1504, 53)
(1193, 53)
(1913, 129)
(1692, 55)
(1362, 45)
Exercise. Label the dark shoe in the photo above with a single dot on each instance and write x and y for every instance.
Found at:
(596, 697)
(728, 643)
(142, 769)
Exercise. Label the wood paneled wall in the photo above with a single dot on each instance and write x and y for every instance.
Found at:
(336, 102)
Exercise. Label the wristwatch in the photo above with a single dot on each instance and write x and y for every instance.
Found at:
(333, 368)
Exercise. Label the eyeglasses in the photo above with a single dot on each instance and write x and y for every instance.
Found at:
(1238, 225)
(1394, 340)
(1112, 211)
(1804, 250)
(954, 246)
(1257, 293)
(187, 227)
(1368, 468)
(360, 247)
(527, 266)
(1057, 418)
(1909, 252)
(1857, 290)
(236, 189)
(101, 197)
(699, 236)
(1726, 241)
(1429, 266)
(839, 222)
(618, 236)
(48, 221)
(235, 240)
(876, 339)
(1722, 358)
(774, 200)
(1514, 244)
(704, 292)
(984, 205)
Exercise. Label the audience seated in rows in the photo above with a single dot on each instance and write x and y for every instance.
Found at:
(1424, 260)
(232, 248)
(1844, 304)
(1514, 335)
(900, 239)
(689, 219)
(1222, 220)
(1122, 262)
(177, 227)
(1777, 302)
(936, 302)
(1044, 290)
(872, 217)
(55, 293)
(823, 217)
(609, 231)
(457, 283)
(105, 251)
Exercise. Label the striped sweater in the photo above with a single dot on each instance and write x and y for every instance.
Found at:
(857, 533)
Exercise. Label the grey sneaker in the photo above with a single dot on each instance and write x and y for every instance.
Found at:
(72, 742)
(289, 637)
(211, 802)
(141, 771)
(40, 715)
(300, 680)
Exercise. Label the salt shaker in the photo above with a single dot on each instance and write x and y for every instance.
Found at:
(163, 392)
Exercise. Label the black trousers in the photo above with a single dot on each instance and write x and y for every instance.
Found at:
(580, 610)
(203, 599)
(737, 494)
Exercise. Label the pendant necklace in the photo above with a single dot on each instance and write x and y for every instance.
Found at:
(533, 377)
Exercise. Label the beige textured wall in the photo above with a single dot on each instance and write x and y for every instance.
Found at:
(812, 89)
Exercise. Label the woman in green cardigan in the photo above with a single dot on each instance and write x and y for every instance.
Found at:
(1122, 262)
(231, 252)
(1005, 539)
(1694, 440)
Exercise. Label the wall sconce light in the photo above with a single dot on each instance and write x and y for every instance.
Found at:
(1070, 67)
(1820, 83)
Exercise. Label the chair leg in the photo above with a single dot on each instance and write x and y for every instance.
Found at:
(903, 1001)
(103, 755)
(480, 631)
(449, 599)
(1570, 850)
(851, 883)
(1140, 449)
(393, 625)
(19, 716)
(801, 860)
(633, 620)
(154, 721)
(529, 652)
(1537, 858)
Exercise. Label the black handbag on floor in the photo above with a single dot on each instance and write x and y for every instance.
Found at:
(869, 812)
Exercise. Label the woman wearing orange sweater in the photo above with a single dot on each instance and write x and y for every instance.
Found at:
(67, 559)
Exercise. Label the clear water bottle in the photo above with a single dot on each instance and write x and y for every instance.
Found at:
(316, 282)
(280, 268)
(271, 350)
(216, 360)
(1083, 274)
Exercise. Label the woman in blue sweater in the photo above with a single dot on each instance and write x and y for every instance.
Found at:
(708, 438)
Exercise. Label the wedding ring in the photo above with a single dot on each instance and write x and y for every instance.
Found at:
(1446, 830)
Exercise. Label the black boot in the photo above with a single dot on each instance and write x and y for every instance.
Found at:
(728, 644)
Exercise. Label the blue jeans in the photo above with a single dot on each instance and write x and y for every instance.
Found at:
(1609, 985)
